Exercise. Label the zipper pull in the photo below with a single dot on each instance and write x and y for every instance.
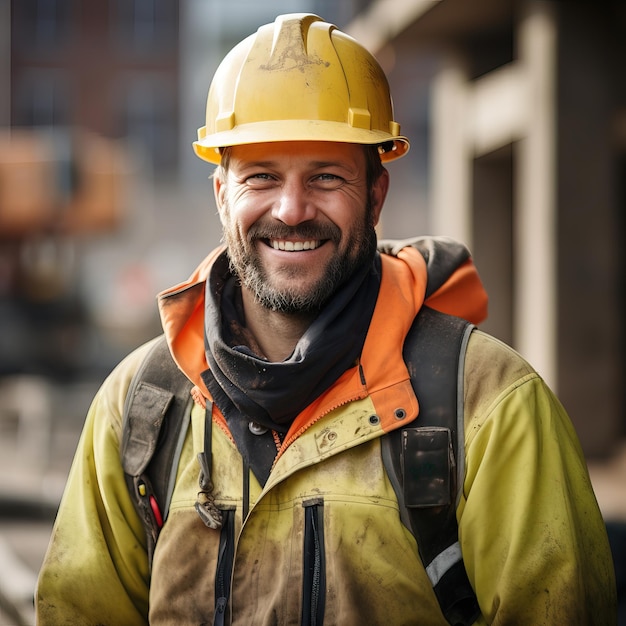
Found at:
(220, 612)
(208, 512)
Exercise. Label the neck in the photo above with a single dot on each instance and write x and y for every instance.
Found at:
(275, 333)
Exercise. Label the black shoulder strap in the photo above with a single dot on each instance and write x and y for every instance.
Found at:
(425, 460)
(155, 422)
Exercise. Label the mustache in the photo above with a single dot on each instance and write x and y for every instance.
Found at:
(306, 230)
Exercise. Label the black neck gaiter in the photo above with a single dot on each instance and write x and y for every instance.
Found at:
(248, 388)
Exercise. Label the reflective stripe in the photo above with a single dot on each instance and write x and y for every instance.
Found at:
(443, 562)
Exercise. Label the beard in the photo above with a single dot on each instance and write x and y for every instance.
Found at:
(294, 296)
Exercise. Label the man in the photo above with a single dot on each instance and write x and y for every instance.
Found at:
(292, 336)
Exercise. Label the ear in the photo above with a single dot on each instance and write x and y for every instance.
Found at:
(219, 189)
(378, 195)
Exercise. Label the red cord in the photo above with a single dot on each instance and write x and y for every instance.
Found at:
(156, 511)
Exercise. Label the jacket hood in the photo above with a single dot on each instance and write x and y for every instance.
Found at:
(434, 271)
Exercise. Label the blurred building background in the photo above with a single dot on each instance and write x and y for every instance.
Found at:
(516, 110)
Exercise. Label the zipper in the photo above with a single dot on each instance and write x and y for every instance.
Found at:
(224, 570)
(314, 564)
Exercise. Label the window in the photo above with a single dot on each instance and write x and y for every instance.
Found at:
(42, 23)
(145, 26)
(41, 98)
(146, 105)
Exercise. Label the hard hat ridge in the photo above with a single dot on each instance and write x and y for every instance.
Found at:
(290, 39)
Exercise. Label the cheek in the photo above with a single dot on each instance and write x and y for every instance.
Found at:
(232, 217)
(242, 210)
(352, 217)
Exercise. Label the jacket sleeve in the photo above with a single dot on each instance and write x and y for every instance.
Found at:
(96, 568)
(533, 539)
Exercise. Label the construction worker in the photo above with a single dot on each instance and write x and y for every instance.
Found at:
(283, 509)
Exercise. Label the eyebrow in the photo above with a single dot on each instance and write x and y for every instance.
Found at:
(312, 164)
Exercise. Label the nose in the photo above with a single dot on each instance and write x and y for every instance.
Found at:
(294, 204)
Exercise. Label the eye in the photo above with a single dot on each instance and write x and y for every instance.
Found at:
(260, 179)
(328, 181)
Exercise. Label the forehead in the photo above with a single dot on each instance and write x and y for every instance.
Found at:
(306, 153)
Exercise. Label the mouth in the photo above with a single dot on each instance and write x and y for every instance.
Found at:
(294, 246)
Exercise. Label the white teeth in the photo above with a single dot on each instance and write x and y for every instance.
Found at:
(294, 246)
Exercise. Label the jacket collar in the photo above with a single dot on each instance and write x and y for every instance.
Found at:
(402, 293)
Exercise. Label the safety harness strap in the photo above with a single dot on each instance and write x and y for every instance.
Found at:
(156, 417)
(425, 460)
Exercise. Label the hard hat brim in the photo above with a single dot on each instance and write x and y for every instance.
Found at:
(208, 147)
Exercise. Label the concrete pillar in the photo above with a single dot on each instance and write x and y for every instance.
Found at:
(451, 159)
(535, 280)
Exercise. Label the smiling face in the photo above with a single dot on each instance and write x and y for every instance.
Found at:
(298, 219)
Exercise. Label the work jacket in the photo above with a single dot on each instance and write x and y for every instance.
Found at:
(323, 541)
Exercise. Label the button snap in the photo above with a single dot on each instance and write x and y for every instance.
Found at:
(374, 420)
(400, 414)
(327, 439)
(257, 429)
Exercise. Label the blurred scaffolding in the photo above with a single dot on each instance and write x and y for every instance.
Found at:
(55, 189)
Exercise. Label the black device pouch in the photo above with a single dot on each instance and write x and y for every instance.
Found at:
(428, 466)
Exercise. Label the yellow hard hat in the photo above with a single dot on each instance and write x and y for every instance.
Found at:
(299, 79)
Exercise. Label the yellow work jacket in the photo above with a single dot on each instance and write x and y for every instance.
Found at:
(533, 540)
